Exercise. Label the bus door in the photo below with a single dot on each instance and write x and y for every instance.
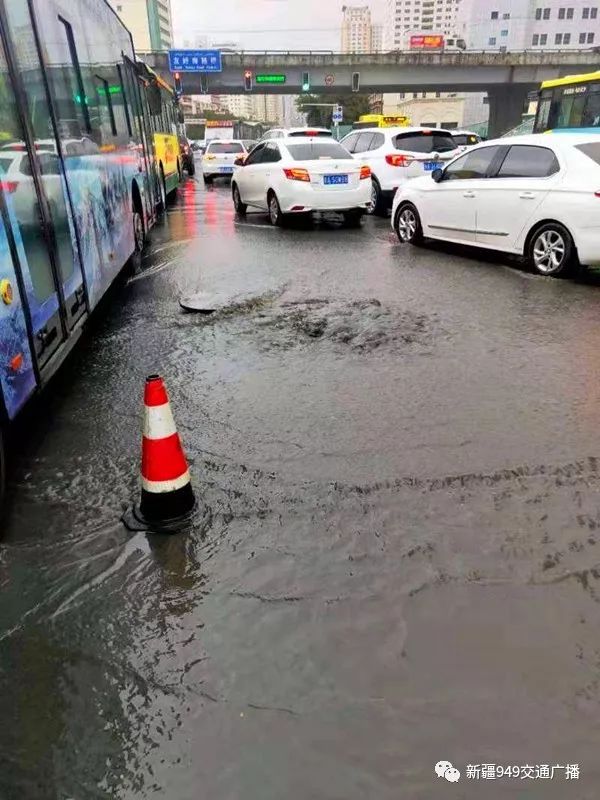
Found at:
(35, 189)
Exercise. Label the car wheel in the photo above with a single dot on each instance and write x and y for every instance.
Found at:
(408, 225)
(376, 205)
(275, 215)
(551, 250)
(240, 208)
(353, 217)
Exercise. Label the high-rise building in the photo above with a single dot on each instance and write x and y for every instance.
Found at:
(149, 21)
(525, 25)
(356, 29)
(427, 15)
(376, 38)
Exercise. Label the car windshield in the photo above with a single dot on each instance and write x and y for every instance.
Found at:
(5, 162)
(425, 142)
(225, 147)
(591, 150)
(310, 151)
(463, 139)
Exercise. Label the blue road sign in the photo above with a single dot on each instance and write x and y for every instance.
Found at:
(338, 114)
(195, 61)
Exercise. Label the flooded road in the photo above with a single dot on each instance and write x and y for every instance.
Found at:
(398, 557)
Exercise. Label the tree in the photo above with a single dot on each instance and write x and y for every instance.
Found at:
(354, 106)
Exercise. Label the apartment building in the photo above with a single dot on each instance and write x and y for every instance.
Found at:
(149, 21)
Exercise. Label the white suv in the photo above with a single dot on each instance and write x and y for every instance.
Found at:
(396, 155)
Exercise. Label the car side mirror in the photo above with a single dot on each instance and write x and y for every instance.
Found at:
(240, 161)
(438, 175)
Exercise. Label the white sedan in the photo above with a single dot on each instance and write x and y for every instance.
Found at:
(297, 176)
(219, 158)
(537, 196)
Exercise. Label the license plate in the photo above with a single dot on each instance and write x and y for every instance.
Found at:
(226, 169)
(330, 180)
(429, 166)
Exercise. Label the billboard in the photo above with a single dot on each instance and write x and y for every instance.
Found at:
(424, 42)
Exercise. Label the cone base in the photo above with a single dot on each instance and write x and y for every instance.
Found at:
(165, 508)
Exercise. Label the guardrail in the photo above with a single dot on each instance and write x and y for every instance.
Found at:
(527, 51)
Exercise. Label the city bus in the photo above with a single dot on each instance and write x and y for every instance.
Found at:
(569, 104)
(165, 122)
(75, 188)
(380, 121)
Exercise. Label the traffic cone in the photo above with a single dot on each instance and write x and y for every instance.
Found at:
(167, 494)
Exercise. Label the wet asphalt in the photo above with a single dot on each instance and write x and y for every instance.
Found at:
(397, 556)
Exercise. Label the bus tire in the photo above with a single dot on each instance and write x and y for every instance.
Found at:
(162, 188)
(2, 468)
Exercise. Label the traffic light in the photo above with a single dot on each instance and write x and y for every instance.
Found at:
(177, 77)
(248, 80)
(306, 81)
(356, 81)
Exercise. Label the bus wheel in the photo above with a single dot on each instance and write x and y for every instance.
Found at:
(2, 469)
(162, 188)
(139, 234)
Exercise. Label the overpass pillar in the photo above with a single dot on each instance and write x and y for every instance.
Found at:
(507, 104)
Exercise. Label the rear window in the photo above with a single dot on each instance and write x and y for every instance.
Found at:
(463, 140)
(591, 150)
(225, 147)
(419, 142)
(311, 133)
(316, 150)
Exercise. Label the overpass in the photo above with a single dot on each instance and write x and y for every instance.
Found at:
(506, 77)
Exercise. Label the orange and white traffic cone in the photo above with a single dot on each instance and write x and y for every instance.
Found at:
(167, 494)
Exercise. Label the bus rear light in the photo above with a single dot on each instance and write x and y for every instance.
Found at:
(295, 174)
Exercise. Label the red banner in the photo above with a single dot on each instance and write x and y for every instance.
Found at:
(426, 42)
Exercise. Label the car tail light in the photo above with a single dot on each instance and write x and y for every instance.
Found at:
(295, 174)
(9, 186)
(596, 194)
(395, 160)
(365, 172)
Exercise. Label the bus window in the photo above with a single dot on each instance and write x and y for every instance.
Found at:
(67, 89)
(591, 116)
(52, 208)
(106, 116)
(543, 114)
(120, 106)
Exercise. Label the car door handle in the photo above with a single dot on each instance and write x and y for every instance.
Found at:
(469, 194)
(527, 196)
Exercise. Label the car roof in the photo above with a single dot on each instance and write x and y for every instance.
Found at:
(558, 140)
(394, 131)
(463, 132)
(225, 141)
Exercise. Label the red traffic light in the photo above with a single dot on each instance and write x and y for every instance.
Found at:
(177, 76)
(248, 73)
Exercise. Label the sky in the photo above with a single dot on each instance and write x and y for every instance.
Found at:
(266, 24)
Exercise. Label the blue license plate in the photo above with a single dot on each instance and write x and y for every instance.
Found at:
(226, 169)
(429, 166)
(330, 180)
